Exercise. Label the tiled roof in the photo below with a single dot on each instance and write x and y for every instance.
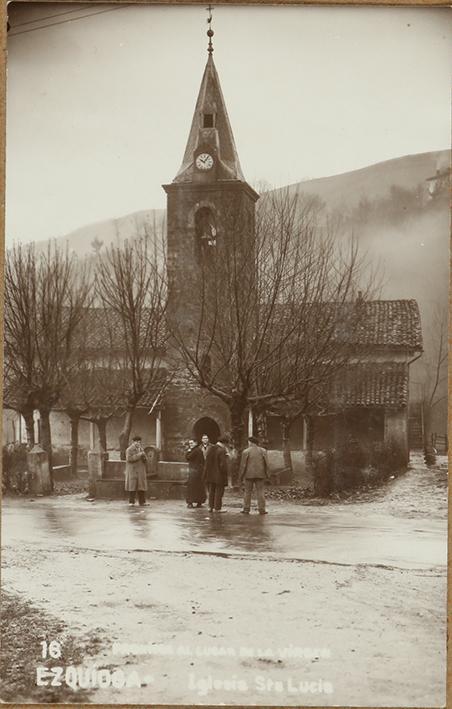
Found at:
(379, 324)
(390, 323)
(108, 389)
(371, 384)
(102, 331)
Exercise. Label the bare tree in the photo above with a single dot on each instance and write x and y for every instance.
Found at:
(92, 392)
(434, 389)
(20, 386)
(131, 286)
(45, 297)
(273, 307)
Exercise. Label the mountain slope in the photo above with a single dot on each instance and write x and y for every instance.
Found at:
(340, 192)
(374, 182)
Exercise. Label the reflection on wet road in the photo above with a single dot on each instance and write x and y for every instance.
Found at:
(351, 533)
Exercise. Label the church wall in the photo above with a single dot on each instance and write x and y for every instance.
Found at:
(396, 430)
(183, 266)
(274, 434)
(144, 425)
(366, 425)
(183, 408)
(13, 428)
(185, 403)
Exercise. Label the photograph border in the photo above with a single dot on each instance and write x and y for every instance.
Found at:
(327, 3)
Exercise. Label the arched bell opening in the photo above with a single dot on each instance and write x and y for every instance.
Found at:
(205, 231)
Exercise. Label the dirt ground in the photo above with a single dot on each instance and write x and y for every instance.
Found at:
(181, 618)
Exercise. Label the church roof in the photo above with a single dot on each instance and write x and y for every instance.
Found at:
(390, 324)
(211, 101)
(369, 325)
(371, 384)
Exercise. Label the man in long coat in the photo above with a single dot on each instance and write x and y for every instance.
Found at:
(253, 472)
(216, 474)
(196, 490)
(136, 471)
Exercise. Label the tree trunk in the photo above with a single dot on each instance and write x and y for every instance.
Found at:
(261, 426)
(429, 453)
(75, 420)
(238, 432)
(124, 436)
(309, 441)
(29, 427)
(102, 431)
(285, 430)
(46, 439)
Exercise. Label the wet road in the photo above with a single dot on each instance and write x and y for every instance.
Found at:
(401, 525)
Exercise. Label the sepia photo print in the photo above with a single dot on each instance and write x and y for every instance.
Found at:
(225, 436)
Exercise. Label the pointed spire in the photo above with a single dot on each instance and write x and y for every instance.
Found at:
(210, 126)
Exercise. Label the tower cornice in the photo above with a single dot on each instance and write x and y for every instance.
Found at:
(233, 185)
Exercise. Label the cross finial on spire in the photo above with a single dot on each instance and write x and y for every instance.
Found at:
(210, 31)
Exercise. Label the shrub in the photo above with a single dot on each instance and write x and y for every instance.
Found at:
(387, 458)
(14, 468)
(323, 472)
(354, 463)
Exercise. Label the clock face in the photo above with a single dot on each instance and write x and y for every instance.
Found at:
(204, 161)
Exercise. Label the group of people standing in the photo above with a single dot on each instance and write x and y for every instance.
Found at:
(208, 466)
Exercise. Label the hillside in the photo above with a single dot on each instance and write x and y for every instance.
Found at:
(345, 191)
(387, 206)
(111, 231)
(339, 193)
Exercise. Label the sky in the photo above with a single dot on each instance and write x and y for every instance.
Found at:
(99, 107)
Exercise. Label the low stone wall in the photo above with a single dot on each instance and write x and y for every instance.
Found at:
(159, 489)
(61, 473)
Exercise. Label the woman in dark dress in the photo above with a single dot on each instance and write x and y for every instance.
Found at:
(196, 490)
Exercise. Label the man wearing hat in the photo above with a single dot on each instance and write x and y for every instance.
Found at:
(136, 471)
(253, 472)
(216, 473)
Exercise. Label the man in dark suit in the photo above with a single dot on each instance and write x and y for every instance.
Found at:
(254, 472)
(216, 473)
(205, 445)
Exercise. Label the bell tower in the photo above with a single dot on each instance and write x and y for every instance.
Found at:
(207, 188)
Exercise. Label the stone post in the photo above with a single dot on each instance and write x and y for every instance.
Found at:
(96, 464)
(158, 430)
(39, 472)
(250, 422)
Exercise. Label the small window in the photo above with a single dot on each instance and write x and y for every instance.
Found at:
(208, 120)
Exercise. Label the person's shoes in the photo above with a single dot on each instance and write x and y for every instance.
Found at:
(264, 512)
(199, 504)
(144, 504)
(210, 509)
(244, 512)
(190, 505)
(131, 504)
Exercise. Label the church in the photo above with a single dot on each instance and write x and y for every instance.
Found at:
(370, 400)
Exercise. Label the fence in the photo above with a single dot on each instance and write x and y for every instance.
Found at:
(440, 442)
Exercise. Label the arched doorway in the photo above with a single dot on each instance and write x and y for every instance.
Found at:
(207, 426)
